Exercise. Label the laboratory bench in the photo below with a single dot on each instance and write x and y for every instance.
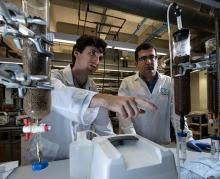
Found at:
(60, 169)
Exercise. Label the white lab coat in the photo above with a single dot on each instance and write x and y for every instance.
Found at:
(154, 126)
(69, 114)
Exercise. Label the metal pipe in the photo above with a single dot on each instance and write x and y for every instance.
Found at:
(157, 32)
(102, 14)
(157, 10)
(119, 29)
(212, 3)
(103, 20)
(139, 26)
(100, 23)
(106, 15)
(85, 18)
(108, 32)
(78, 17)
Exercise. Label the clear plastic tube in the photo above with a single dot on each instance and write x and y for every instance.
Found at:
(182, 146)
(215, 147)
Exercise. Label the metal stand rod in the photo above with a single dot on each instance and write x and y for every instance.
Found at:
(217, 64)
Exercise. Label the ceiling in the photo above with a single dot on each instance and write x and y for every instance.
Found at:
(80, 14)
(103, 18)
(84, 17)
(128, 21)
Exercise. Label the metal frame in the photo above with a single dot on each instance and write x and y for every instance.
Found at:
(100, 24)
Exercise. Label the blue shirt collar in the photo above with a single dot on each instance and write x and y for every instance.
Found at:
(152, 83)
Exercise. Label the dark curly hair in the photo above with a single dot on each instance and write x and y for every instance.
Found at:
(86, 40)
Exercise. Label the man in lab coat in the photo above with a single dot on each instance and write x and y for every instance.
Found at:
(76, 104)
(148, 83)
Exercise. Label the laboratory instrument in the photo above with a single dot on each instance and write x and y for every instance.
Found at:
(122, 156)
(32, 82)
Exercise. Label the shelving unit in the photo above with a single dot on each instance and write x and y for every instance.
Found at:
(110, 82)
(198, 123)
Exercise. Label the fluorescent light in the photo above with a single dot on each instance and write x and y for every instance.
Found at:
(64, 38)
(161, 53)
(194, 71)
(133, 50)
(64, 41)
(101, 69)
(71, 42)
(58, 66)
(126, 49)
(114, 79)
(18, 63)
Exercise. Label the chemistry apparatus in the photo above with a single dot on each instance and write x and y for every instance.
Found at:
(182, 66)
(179, 47)
(32, 81)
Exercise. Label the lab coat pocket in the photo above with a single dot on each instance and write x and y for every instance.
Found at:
(163, 100)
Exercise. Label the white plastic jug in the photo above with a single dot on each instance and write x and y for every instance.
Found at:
(80, 157)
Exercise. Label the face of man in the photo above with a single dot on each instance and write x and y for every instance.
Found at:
(89, 59)
(147, 63)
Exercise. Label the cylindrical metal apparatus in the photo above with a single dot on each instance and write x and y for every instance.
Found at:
(181, 81)
(212, 100)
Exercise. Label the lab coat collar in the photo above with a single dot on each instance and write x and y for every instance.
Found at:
(67, 72)
(136, 77)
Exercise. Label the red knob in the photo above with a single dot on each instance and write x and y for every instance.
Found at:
(46, 128)
(27, 136)
(26, 122)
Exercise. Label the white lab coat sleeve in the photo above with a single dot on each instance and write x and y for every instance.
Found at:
(126, 125)
(175, 119)
(102, 123)
(73, 103)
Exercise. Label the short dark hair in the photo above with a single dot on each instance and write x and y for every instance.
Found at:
(144, 46)
(85, 40)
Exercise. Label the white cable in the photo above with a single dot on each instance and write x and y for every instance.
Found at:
(171, 75)
(170, 40)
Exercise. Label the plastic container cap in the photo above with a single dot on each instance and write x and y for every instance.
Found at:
(182, 134)
(37, 166)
